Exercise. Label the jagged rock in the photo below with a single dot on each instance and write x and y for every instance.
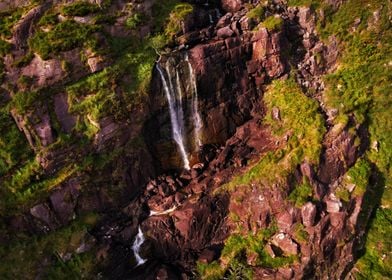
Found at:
(340, 153)
(67, 121)
(285, 243)
(333, 206)
(96, 63)
(224, 32)
(224, 21)
(276, 113)
(231, 5)
(44, 130)
(46, 72)
(285, 273)
(306, 19)
(308, 212)
(43, 213)
(64, 201)
(284, 220)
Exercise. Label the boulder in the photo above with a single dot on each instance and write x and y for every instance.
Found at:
(285, 243)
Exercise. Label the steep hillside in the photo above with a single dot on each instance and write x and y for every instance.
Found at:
(221, 139)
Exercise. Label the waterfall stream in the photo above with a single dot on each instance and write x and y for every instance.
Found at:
(176, 115)
(139, 239)
(173, 87)
(195, 106)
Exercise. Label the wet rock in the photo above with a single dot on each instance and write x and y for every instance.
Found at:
(308, 213)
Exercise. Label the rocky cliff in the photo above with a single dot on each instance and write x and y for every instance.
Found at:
(195, 139)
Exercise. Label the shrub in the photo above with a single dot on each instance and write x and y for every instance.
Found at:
(80, 9)
(135, 20)
(176, 18)
(273, 23)
(5, 48)
(301, 193)
(257, 13)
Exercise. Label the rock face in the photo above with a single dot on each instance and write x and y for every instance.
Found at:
(221, 67)
(231, 66)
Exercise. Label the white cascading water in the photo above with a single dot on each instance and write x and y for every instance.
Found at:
(195, 106)
(176, 114)
(139, 239)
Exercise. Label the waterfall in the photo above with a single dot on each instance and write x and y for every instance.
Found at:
(195, 106)
(139, 239)
(176, 114)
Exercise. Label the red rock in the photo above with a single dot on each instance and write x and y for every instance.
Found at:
(232, 5)
(206, 256)
(284, 220)
(285, 243)
(308, 212)
(333, 206)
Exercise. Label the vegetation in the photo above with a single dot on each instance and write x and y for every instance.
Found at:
(135, 20)
(299, 118)
(44, 255)
(63, 37)
(237, 250)
(176, 17)
(377, 260)
(80, 8)
(273, 23)
(5, 48)
(302, 193)
(14, 148)
(360, 90)
(8, 20)
(256, 13)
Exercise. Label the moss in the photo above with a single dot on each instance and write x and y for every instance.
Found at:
(257, 13)
(135, 20)
(5, 48)
(377, 260)
(80, 8)
(300, 117)
(343, 194)
(238, 248)
(49, 19)
(273, 23)
(8, 20)
(14, 149)
(359, 175)
(28, 185)
(176, 18)
(65, 36)
(301, 193)
(29, 257)
(300, 233)
(24, 100)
